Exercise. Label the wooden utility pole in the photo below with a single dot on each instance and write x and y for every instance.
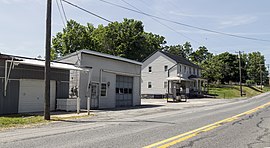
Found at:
(47, 61)
(240, 75)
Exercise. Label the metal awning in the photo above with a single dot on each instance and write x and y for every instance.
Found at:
(177, 79)
(53, 64)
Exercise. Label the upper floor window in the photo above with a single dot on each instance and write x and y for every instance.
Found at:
(166, 68)
(198, 72)
(194, 71)
(149, 85)
(180, 68)
(185, 69)
(150, 69)
(189, 70)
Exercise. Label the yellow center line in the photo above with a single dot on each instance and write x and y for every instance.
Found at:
(182, 137)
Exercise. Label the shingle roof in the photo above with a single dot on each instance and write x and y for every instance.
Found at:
(180, 59)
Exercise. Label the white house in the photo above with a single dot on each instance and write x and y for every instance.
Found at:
(113, 82)
(163, 72)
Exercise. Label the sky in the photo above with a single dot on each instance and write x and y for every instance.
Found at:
(22, 29)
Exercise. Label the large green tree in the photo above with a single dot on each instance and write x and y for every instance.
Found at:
(256, 66)
(181, 50)
(126, 39)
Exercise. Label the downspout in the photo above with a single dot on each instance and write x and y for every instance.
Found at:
(99, 89)
(169, 81)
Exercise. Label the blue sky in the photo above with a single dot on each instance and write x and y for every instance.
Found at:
(22, 30)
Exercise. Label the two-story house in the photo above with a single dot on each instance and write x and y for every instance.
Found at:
(163, 72)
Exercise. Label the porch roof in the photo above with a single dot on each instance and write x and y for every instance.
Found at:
(177, 79)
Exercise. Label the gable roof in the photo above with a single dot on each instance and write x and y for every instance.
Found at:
(180, 59)
(95, 53)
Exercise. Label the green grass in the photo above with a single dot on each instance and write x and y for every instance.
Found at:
(233, 91)
(20, 120)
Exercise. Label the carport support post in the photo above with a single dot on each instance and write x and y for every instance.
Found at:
(47, 61)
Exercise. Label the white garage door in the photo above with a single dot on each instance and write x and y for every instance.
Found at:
(32, 95)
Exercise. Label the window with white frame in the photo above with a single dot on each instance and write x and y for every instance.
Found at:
(194, 71)
(150, 69)
(189, 70)
(103, 91)
(180, 68)
(149, 85)
(185, 69)
(166, 68)
(165, 84)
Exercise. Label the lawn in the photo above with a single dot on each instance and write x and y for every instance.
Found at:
(233, 91)
(20, 120)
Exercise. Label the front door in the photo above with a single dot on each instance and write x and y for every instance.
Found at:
(94, 96)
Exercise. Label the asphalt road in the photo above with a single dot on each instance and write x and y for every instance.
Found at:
(176, 125)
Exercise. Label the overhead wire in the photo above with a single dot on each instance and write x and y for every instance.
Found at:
(186, 25)
(58, 7)
(89, 12)
(181, 34)
(63, 10)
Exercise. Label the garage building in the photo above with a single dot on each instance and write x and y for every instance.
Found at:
(22, 84)
(113, 82)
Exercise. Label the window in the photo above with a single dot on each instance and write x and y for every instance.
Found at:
(166, 68)
(194, 71)
(149, 85)
(103, 91)
(198, 72)
(185, 69)
(189, 70)
(150, 69)
(165, 84)
(180, 68)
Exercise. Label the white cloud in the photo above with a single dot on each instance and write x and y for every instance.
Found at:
(193, 15)
(236, 21)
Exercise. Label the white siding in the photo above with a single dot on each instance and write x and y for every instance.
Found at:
(31, 98)
(158, 74)
(107, 64)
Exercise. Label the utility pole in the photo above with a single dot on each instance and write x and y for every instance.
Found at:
(240, 74)
(47, 61)
(261, 74)
(268, 74)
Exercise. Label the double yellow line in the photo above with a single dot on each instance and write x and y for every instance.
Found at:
(182, 137)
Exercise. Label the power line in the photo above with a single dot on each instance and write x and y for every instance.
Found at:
(186, 25)
(162, 23)
(58, 7)
(87, 11)
(63, 10)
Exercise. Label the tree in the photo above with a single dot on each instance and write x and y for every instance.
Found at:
(255, 59)
(212, 69)
(200, 55)
(126, 39)
(181, 50)
(74, 37)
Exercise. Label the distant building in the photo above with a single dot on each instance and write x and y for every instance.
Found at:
(22, 84)
(113, 82)
(163, 72)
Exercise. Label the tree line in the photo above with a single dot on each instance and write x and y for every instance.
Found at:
(129, 40)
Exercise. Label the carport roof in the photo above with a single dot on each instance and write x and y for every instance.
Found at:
(38, 62)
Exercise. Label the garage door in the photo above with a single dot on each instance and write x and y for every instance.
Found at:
(32, 95)
(124, 91)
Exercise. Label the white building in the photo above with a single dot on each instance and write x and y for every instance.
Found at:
(163, 72)
(113, 81)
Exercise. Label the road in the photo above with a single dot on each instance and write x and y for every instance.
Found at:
(224, 123)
